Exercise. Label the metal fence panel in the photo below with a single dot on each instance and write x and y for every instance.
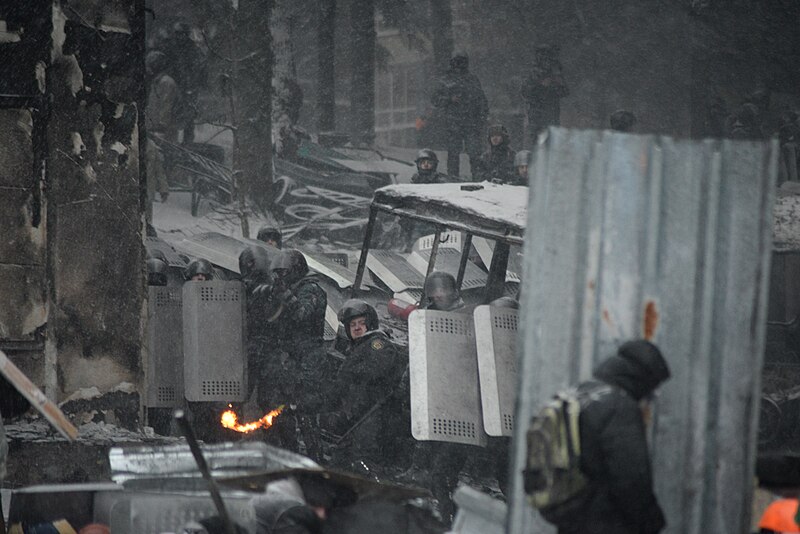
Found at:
(214, 359)
(164, 383)
(642, 236)
(443, 372)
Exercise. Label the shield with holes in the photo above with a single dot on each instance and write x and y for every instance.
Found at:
(496, 341)
(214, 363)
(443, 369)
(164, 371)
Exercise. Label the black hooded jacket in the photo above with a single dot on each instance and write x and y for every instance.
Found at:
(614, 452)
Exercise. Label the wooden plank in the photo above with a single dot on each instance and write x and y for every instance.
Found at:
(38, 400)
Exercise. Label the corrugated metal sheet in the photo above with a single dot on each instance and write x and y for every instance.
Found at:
(641, 236)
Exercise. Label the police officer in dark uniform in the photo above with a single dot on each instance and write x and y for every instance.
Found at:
(367, 386)
(427, 163)
(299, 328)
(461, 104)
(497, 163)
(199, 270)
(435, 464)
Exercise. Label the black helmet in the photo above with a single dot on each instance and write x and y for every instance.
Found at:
(196, 267)
(289, 266)
(357, 308)
(270, 233)
(498, 129)
(156, 272)
(427, 153)
(254, 261)
(622, 120)
(459, 61)
(441, 282)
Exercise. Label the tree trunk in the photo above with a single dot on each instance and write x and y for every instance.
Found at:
(287, 97)
(362, 88)
(442, 29)
(326, 89)
(251, 78)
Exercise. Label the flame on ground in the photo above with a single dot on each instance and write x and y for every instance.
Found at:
(229, 419)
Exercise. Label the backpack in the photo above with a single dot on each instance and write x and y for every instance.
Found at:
(553, 479)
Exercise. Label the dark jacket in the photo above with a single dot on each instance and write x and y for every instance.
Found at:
(459, 100)
(497, 164)
(430, 178)
(614, 452)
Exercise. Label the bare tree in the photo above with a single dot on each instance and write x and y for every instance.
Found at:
(326, 89)
(362, 88)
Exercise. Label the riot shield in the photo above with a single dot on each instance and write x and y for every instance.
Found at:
(215, 360)
(164, 372)
(496, 341)
(443, 370)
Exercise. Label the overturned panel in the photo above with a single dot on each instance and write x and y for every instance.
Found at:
(164, 378)
(496, 341)
(394, 270)
(650, 237)
(214, 359)
(443, 369)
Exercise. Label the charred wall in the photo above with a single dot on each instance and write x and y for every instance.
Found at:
(69, 170)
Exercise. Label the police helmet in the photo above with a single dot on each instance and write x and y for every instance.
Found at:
(289, 266)
(441, 282)
(156, 272)
(357, 308)
(498, 129)
(522, 157)
(270, 233)
(427, 153)
(254, 260)
(199, 266)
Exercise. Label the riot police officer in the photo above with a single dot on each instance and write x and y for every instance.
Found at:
(271, 235)
(299, 329)
(441, 292)
(367, 386)
(199, 270)
(427, 162)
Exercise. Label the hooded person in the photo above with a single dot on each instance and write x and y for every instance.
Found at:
(441, 293)
(615, 459)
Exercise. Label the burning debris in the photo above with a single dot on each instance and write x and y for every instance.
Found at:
(229, 419)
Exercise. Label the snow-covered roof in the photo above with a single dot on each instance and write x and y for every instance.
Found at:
(494, 211)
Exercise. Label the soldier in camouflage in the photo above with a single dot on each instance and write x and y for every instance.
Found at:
(299, 333)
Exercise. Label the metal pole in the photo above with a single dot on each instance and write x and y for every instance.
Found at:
(462, 267)
(362, 260)
(437, 238)
(188, 433)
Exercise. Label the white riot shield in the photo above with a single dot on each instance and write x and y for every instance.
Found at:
(496, 340)
(164, 372)
(215, 359)
(443, 368)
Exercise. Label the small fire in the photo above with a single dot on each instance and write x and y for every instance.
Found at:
(229, 419)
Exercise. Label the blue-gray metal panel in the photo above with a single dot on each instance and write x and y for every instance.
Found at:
(641, 236)
(164, 371)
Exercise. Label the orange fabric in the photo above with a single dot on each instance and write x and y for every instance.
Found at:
(779, 516)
